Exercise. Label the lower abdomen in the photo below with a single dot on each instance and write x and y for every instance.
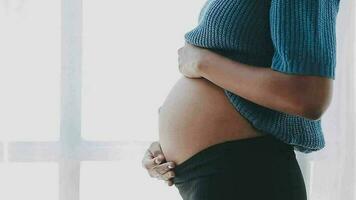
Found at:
(196, 114)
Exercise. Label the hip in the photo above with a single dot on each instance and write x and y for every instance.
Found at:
(253, 168)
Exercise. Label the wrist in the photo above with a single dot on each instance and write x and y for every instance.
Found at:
(204, 62)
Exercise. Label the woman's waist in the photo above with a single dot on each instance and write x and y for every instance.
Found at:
(306, 135)
(233, 157)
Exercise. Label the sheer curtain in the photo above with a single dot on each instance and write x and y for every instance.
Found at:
(330, 172)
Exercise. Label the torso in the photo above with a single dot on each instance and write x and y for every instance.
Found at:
(197, 114)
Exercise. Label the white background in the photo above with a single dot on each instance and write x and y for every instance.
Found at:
(129, 63)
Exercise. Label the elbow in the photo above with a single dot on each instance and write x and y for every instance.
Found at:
(312, 113)
(308, 108)
(314, 108)
(310, 96)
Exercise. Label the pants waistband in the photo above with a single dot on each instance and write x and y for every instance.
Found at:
(210, 159)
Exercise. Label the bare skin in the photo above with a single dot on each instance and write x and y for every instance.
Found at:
(196, 113)
(156, 165)
(307, 96)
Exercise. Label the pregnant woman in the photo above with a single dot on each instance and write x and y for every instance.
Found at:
(257, 77)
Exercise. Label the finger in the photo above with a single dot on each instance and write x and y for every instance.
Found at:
(169, 182)
(148, 154)
(164, 168)
(152, 163)
(155, 149)
(168, 175)
(148, 163)
(148, 160)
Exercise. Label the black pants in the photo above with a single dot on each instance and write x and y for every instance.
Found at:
(260, 168)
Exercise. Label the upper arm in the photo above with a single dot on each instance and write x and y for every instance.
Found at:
(304, 39)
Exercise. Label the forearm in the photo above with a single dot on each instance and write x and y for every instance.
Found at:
(260, 85)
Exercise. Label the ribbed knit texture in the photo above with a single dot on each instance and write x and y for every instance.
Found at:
(289, 36)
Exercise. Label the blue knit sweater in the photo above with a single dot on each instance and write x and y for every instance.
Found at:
(289, 36)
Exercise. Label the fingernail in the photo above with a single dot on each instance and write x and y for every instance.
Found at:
(158, 160)
(170, 166)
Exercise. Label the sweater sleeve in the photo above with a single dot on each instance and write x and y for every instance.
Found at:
(304, 36)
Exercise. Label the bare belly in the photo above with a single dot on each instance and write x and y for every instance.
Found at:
(197, 114)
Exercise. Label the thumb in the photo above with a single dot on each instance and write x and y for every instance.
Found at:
(159, 158)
